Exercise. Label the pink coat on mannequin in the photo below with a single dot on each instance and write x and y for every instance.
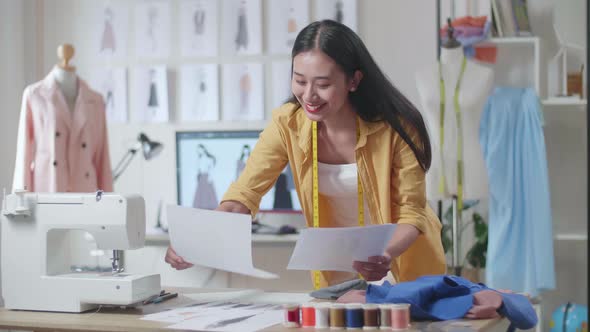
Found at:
(59, 150)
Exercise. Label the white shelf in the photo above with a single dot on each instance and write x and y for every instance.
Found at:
(556, 101)
(514, 40)
(163, 239)
(571, 237)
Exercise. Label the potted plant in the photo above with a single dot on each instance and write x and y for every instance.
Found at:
(476, 254)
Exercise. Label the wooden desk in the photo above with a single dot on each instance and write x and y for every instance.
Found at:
(120, 320)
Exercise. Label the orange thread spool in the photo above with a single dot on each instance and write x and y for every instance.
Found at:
(308, 315)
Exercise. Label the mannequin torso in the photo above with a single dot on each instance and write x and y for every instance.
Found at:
(476, 84)
(67, 80)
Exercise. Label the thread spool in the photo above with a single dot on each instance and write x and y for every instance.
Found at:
(400, 316)
(307, 315)
(384, 316)
(370, 316)
(354, 316)
(337, 316)
(322, 316)
(291, 315)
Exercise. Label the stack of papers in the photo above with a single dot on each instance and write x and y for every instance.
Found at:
(245, 310)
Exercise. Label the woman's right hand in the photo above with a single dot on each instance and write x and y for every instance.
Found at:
(176, 261)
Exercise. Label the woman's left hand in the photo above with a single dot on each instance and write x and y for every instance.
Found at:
(375, 269)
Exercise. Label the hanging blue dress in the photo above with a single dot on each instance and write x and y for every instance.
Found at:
(520, 245)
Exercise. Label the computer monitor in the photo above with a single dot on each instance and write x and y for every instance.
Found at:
(207, 162)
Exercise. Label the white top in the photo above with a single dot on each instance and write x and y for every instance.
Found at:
(476, 85)
(339, 184)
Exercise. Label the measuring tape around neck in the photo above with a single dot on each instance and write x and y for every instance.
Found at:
(315, 192)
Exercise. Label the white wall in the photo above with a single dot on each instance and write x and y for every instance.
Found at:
(15, 69)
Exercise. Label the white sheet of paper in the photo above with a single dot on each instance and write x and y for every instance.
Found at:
(233, 320)
(286, 19)
(152, 28)
(281, 82)
(243, 92)
(111, 26)
(339, 247)
(343, 11)
(199, 93)
(242, 27)
(220, 240)
(151, 94)
(198, 27)
(242, 310)
(111, 82)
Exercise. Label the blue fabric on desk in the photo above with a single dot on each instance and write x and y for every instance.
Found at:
(520, 247)
(441, 297)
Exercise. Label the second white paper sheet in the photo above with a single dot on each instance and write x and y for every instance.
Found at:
(215, 239)
(334, 249)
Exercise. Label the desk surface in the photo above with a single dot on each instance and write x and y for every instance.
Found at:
(118, 319)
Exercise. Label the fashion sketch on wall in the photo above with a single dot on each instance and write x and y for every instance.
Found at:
(281, 82)
(151, 94)
(243, 92)
(242, 27)
(282, 32)
(198, 27)
(152, 28)
(199, 93)
(204, 160)
(111, 29)
(205, 194)
(111, 83)
(242, 34)
(343, 11)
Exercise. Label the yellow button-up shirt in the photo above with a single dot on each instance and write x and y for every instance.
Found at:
(393, 182)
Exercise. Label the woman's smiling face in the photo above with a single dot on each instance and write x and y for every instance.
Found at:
(320, 85)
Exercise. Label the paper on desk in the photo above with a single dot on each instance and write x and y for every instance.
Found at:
(220, 240)
(209, 307)
(245, 319)
(334, 249)
(250, 296)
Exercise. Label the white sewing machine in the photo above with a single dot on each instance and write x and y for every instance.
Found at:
(36, 272)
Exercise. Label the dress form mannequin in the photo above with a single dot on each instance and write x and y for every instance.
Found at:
(65, 75)
(476, 84)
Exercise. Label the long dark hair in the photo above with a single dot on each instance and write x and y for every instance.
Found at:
(375, 99)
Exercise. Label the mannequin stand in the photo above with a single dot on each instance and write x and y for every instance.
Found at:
(456, 228)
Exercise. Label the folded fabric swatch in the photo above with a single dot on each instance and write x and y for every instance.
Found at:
(335, 291)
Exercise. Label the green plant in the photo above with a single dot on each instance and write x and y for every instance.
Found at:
(476, 255)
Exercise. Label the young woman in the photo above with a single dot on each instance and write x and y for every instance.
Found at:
(366, 130)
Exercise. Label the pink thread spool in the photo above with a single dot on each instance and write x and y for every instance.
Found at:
(291, 315)
(400, 316)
